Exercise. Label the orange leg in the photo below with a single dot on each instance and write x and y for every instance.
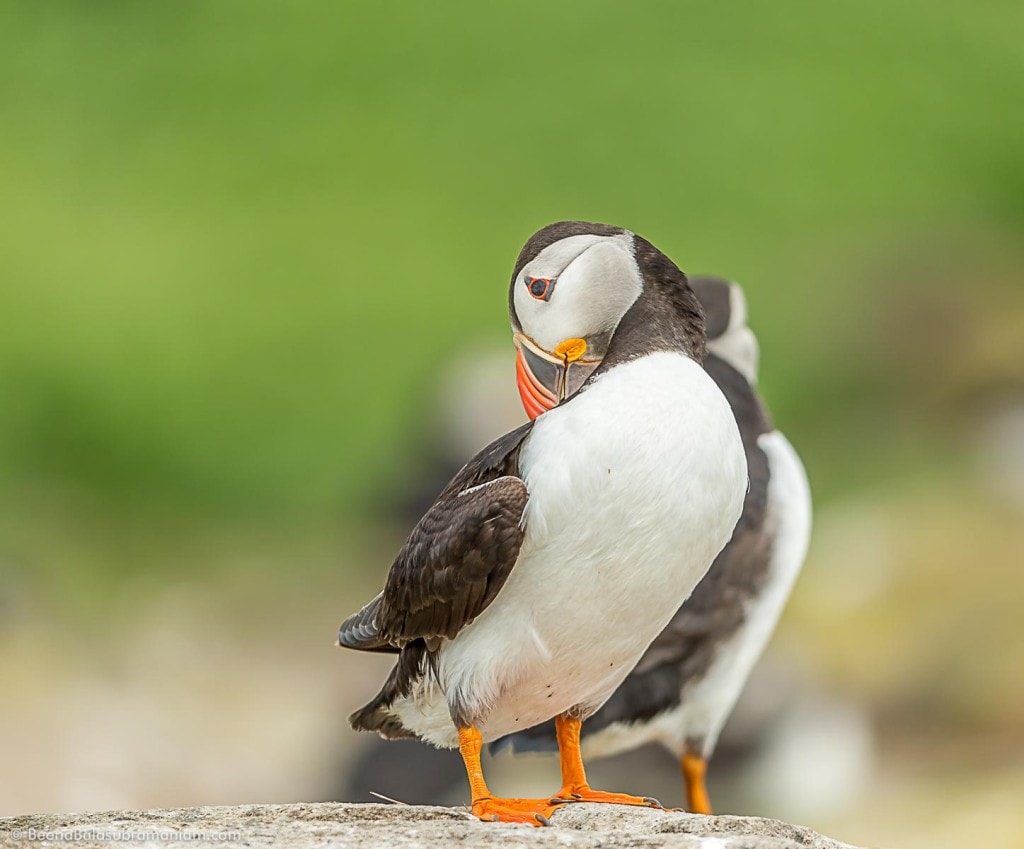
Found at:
(486, 806)
(694, 768)
(574, 779)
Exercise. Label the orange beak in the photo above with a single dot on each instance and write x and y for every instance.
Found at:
(536, 397)
(546, 378)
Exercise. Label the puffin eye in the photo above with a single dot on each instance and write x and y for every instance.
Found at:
(540, 287)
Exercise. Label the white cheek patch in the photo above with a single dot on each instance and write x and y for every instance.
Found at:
(597, 279)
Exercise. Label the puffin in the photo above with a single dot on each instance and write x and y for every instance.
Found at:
(536, 581)
(687, 683)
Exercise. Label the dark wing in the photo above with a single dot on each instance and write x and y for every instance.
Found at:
(360, 630)
(456, 559)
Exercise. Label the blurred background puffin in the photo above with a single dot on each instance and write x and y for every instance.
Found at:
(542, 573)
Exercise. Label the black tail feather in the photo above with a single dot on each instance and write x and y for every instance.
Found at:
(376, 716)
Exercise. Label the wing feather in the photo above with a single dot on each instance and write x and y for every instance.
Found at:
(456, 559)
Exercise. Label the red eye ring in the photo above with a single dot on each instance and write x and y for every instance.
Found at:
(540, 288)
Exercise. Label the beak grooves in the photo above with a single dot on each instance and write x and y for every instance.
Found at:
(536, 397)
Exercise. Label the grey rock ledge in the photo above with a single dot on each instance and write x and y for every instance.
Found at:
(311, 826)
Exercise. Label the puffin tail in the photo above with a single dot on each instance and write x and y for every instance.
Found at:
(377, 715)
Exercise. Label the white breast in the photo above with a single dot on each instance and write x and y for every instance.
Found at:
(635, 486)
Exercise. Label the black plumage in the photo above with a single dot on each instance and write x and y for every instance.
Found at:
(450, 569)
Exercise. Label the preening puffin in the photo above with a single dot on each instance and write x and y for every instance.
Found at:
(544, 570)
(685, 686)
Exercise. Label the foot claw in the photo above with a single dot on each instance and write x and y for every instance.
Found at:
(654, 803)
(558, 800)
(543, 820)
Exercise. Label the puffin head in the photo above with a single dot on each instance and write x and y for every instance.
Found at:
(584, 293)
(729, 337)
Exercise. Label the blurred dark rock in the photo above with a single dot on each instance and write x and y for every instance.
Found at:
(404, 770)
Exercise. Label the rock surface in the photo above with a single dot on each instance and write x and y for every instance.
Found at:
(304, 826)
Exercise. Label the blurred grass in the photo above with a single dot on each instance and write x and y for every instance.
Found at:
(238, 238)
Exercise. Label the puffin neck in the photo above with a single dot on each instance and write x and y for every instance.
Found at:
(666, 317)
(649, 326)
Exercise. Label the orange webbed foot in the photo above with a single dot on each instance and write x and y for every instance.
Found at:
(583, 793)
(574, 778)
(531, 811)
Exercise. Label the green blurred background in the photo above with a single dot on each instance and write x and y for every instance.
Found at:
(242, 241)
